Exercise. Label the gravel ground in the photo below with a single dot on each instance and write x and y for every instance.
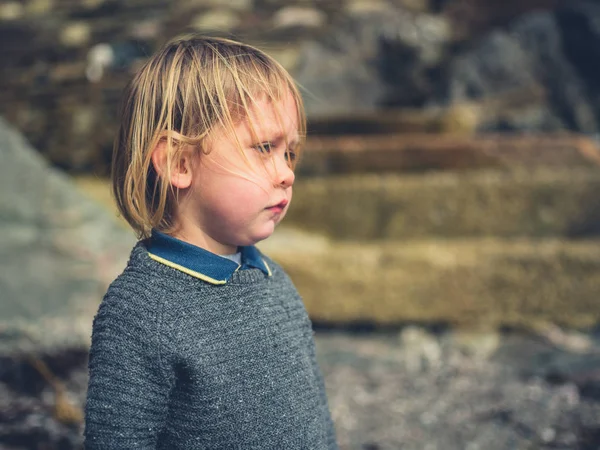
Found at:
(418, 390)
(403, 389)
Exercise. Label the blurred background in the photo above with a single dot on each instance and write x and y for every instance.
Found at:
(445, 224)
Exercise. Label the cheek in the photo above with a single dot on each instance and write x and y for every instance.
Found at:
(240, 197)
(229, 172)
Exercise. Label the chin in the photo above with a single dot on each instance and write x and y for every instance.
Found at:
(263, 234)
(262, 237)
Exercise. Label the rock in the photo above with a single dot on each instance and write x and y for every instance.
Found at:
(421, 350)
(216, 19)
(240, 5)
(92, 4)
(472, 18)
(99, 58)
(359, 7)
(11, 11)
(118, 56)
(550, 51)
(84, 121)
(370, 59)
(58, 252)
(571, 341)
(39, 7)
(511, 66)
(75, 34)
(470, 282)
(576, 370)
(532, 202)
(580, 38)
(286, 56)
(146, 30)
(456, 149)
(366, 55)
(479, 345)
(465, 403)
(299, 16)
(421, 6)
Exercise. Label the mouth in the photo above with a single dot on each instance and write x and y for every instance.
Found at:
(279, 207)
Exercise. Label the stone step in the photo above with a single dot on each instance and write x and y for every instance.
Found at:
(472, 282)
(541, 202)
(402, 152)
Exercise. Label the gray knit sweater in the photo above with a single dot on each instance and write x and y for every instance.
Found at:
(179, 363)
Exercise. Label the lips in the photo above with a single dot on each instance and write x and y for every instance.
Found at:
(279, 207)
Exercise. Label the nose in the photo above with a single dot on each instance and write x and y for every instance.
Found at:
(284, 175)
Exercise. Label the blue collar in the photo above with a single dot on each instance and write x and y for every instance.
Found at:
(200, 263)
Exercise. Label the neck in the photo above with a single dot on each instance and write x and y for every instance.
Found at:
(195, 236)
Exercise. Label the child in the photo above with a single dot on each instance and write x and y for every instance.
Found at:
(203, 342)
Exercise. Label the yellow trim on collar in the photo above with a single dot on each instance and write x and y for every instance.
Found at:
(267, 266)
(193, 273)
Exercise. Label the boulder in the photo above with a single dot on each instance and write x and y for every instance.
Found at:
(371, 58)
(58, 252)
(552, 51)
(472, 18)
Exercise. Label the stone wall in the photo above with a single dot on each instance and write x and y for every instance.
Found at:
(65, 62)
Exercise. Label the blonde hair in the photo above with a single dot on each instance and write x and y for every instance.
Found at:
(180, 95)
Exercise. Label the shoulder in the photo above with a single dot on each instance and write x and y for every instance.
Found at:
(143, 280)
(128, 319)
(125, 310)
(132, 295)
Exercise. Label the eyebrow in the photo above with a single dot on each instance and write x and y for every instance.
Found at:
(279, 136)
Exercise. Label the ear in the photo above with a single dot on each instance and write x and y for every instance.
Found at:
(181, 168)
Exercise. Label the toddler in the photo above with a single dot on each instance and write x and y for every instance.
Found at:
(203, 342)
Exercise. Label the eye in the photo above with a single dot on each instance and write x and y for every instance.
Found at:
(264, 147)
(290, 155)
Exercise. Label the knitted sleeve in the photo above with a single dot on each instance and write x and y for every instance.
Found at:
(331, 436)
(128, 390)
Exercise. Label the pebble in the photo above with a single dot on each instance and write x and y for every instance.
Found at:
(479, 345)
(216, 19)
(238, 5)
(422, 351)
(468, 402)
(75, 34)
(99, 58)
(299, 16)
(359, 7)
(39, 7)
(11, 11)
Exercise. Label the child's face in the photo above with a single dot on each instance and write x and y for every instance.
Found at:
(231, 202)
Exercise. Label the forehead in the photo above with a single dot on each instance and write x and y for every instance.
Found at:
(265, 119)
(272, 115)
